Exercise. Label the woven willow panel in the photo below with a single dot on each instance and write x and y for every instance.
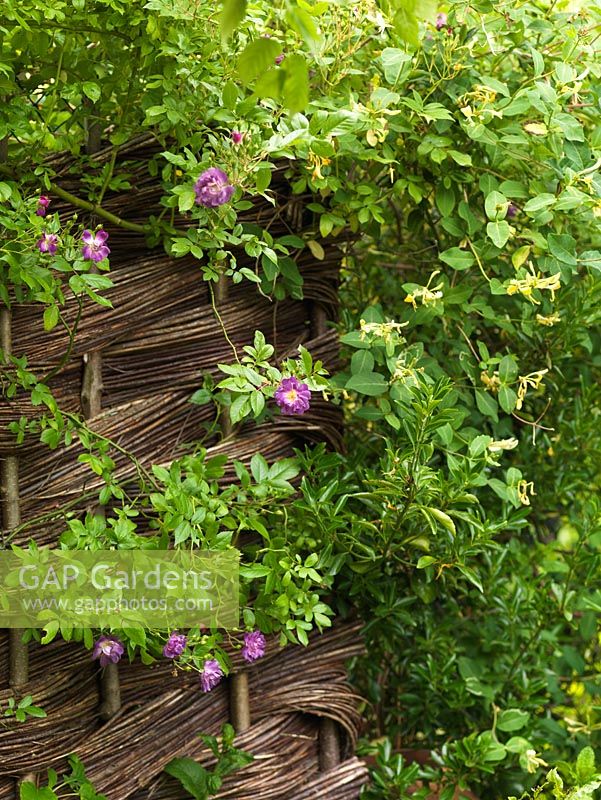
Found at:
(152, 348)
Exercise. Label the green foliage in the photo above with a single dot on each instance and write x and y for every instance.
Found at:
(74, 782)
(22, 709)
(253, 379)
(200, 782)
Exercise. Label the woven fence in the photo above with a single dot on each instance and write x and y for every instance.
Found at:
(131, 370)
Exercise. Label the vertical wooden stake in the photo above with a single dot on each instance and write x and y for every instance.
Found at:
(221, 295)
(222, 290)
(329, 740)
(11, 518)
(110, 689)
(18, 660)
(318, 319)
(239, 702)
(329, 744)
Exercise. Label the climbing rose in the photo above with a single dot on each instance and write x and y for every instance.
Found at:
(441, 21)
(109, 649)
(175, 646)
(292, 396)
(48, 243)
(94, 248)
(237, 137)
(254, 646)
(43, 203)
(278, 59)
(213, 188)
(211, 675)
(512, 210)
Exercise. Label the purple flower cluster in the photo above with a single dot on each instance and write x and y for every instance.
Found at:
(108, 649)
(441, 21)
(43, 203)
(48, 243)
(512, 210)
(95, 248)
(292, 396)
(175, 646)
(213, 188)
(278, 59)
(237, 137)
(254, 646)
(211, 675)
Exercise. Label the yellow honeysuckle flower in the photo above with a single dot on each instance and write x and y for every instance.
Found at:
(492, 382)
(525, 286)
(549, 321)
(426, 294)
(533, 380)
(503, 444)
(524, 489)
(384, 330)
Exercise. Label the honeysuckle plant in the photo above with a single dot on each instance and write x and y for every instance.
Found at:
(452, 153)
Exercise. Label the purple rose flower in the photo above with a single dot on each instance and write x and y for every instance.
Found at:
(237, 137)
(512, 210)
(94, 248)
(278, 59)
(211, 675)
(108, 649)
(43, 203)
(213, 188)
(441, 21)
(175, 646)
(254, 646)
(292, 396)
(48, 243)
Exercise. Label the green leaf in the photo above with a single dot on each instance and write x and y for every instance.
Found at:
(507, 399)
(50, 317)
(496, 205)
(444, 519)
(563, 247)
(369, 383)
(471, 575)
(425, 561)
(499, 232)
(295, 92)
(29, 791)
(457, 258)
(539, 202)
(520, 256)
(186, 199)
(517, 744)
(445, 200)
(232, 15)
(463, 159)
(192, 776)
(512, 719)
(362, 361)
(302, 22)
(91, 90)
(487, 405)
(479, 444)
(393, 60)
(200, 397)
(239, 408)
(508, 369)
(256, 58)
(585, 764)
